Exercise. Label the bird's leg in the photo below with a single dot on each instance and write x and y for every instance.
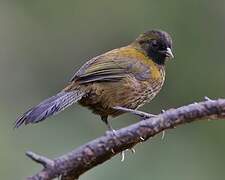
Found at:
(109, 126)
(110, 129)
(141, 114)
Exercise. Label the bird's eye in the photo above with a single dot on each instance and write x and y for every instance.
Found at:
(154, 43)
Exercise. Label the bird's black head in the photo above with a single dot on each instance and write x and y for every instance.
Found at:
(157, 45)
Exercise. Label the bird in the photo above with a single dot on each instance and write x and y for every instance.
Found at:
(118, 81)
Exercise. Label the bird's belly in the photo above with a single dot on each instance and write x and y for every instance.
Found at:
(129, 93)
(149, 94)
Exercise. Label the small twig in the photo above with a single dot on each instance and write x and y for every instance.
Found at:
(47, 163)
(70, 166)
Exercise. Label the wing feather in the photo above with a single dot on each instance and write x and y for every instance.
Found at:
(110, 67)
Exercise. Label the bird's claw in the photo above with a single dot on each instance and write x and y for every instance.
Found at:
(206, 98)
(111, 132)
(123, 153)
(163, 135)
(133, 150)
(122, 156)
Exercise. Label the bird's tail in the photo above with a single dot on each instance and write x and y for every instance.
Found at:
(49, 107)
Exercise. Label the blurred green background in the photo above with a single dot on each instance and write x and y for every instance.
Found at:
(43, 42)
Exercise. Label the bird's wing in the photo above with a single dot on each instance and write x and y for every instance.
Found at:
(110, 67)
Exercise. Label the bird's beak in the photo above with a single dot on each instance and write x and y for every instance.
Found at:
(169, 53)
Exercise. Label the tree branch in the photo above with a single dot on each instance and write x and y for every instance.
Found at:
(70, 166)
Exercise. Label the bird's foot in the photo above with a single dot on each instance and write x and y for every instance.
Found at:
(123, 153)
(163, 135)
(141, 114)
(122, 156)
(111, 131)
(206, 98)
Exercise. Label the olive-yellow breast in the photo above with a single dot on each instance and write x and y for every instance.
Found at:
(126, 77)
